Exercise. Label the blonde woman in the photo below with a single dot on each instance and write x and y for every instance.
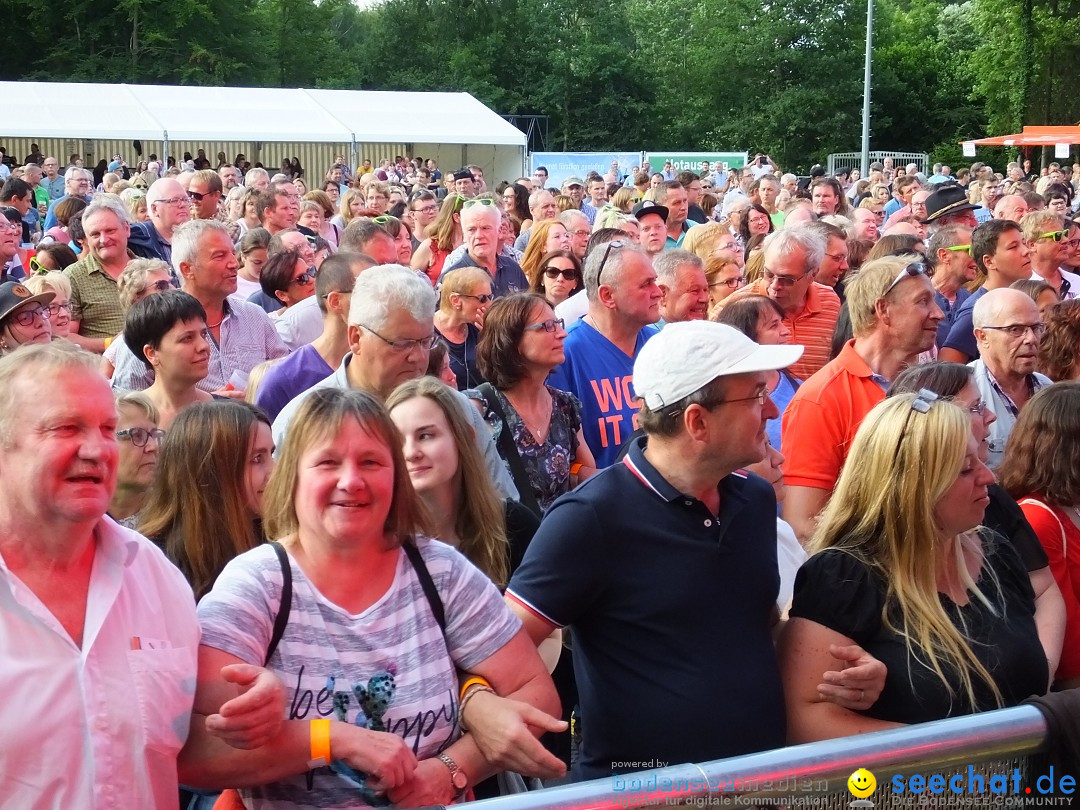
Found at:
(464, 296)
(349, 206)
(901, 567)
(58, 311)
(134, 201)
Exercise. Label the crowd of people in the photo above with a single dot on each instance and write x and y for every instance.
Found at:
(359, 491)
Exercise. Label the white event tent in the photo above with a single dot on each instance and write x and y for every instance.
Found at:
(96, 121)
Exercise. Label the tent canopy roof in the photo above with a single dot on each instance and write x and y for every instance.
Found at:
(61, 110)
(1034, 136)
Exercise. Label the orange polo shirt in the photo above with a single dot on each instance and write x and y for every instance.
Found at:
(812, 328)
(822, 418)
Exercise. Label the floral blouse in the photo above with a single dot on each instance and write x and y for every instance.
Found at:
(547, 464)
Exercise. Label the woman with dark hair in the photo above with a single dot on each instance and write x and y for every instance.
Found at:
(896, 244)
(99, 172)
(287, 278)
(1041, 470)
(516, 204)
(297, 169)
(522, 341)
(251, 253)
(559, 276)
(205, 506)
(1059, 350)
(762, 320)
(754, 221)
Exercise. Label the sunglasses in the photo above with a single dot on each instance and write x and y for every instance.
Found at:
(550, 325)
(197, 197)
(960, 248)
(555, 272)
(912, 270)
(614, 244)
(1057, 236)
(158, 286)
(483, 299)
(307, 277)
(384, 219)
(478, 201)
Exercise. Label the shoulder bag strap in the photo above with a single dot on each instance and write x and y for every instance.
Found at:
(282, 617)
(509, 451)
(427, 583)
(1040, 504)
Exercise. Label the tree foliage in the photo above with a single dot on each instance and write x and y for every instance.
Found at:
(779, 76)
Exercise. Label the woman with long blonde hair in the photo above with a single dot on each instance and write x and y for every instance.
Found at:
(901, 567)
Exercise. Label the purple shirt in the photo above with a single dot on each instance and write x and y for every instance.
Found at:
(293, 375)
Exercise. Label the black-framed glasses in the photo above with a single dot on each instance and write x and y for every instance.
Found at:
(307, 277)
(1018, 330)
(52, 310)
(912, 270)
(483, 299)
(614, 244)
(554, 272)
(426, 209)
(782, 281)
(140, 436)
(550, 325)
(405, 345)
(26, 317)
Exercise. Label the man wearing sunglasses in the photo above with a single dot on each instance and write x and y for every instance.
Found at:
(204, 191)
(1047, 236)
(480, 221)
(894, 319)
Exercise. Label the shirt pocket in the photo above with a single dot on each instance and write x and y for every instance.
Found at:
(164, 682)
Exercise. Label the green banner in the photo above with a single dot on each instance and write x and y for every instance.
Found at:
(691, 161)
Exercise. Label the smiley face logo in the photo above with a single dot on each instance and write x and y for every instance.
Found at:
(862, 784)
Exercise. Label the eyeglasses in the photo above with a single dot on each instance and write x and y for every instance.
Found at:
(555, 272)
(1057, 236)
(26, 317)
(550, 325)
(733, 283)
(140, 436)
(174, 200)
(307, 277)
(978, 408)
(1018, 330)
(197, 197)
(483, 299)
(782, 281)
(761, 397)
(958, 248)
(912, 270)
(52, 310)
(614, 244)
(427, 344)
(837, 257)
(158, 286)
(427, 209)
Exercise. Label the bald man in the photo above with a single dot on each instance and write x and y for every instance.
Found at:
(168, 205)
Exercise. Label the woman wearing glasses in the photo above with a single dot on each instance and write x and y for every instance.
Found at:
(463, 298)
(559, 277)
(23, 316)
(58, 310)
(724, 276)
(522, 341)
(901, 567)
(138, 439)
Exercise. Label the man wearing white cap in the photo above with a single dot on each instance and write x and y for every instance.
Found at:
(665, 565)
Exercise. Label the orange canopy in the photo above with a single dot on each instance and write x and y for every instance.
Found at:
(1034, 136)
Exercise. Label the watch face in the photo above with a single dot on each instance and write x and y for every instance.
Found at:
(460, 780)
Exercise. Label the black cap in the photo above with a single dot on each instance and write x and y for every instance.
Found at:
(649, 207)
(945, 201)
(463, 174)
(13, 295)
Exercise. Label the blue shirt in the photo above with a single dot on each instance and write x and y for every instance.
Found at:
(951, 311)
(670, 607)
(601, 376)
(962, 332)
(509, 277)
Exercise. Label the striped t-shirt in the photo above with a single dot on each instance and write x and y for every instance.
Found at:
(388, 668)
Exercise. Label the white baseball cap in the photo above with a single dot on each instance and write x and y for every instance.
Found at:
(686, 356)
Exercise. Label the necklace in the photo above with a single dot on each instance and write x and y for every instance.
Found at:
(536, 428)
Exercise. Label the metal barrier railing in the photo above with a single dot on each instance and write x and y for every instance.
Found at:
(815, 774)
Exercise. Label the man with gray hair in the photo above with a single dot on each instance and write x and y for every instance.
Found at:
(1008, 331)
(257, 178)
(624, 303)
(541, 206)
(684, 291)
(391, 332)
(96, 314)
(793, 255)
(168, 205)
(78, 182)
(480, 221)
(579, 228)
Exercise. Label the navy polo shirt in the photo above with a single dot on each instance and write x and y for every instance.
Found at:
(962, 332)
(670, 608)
(509, 277)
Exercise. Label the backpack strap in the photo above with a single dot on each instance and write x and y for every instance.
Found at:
(509, 451)
(427, 583)
(282, 618)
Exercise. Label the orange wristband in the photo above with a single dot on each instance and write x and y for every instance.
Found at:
(474, 681)
(320, 743)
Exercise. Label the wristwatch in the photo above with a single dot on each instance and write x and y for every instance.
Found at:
(457, 776)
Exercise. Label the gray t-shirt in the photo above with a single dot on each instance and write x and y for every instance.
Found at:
(388, 668)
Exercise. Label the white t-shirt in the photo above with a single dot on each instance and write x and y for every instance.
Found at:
(388, 668)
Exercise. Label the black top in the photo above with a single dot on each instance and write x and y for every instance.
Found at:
(836, 590)
(1006, 518)
(463, 358)
(671, 607)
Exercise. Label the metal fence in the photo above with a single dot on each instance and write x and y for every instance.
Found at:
(997, 751)
(853, 160)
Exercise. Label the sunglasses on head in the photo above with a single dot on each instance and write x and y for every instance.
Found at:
(478, 201)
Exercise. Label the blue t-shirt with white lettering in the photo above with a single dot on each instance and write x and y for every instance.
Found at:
(600, 374)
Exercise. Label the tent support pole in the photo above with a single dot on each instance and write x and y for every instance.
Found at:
(164, 151)
(354, 154)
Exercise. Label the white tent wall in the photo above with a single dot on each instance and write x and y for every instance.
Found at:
(498, 162)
